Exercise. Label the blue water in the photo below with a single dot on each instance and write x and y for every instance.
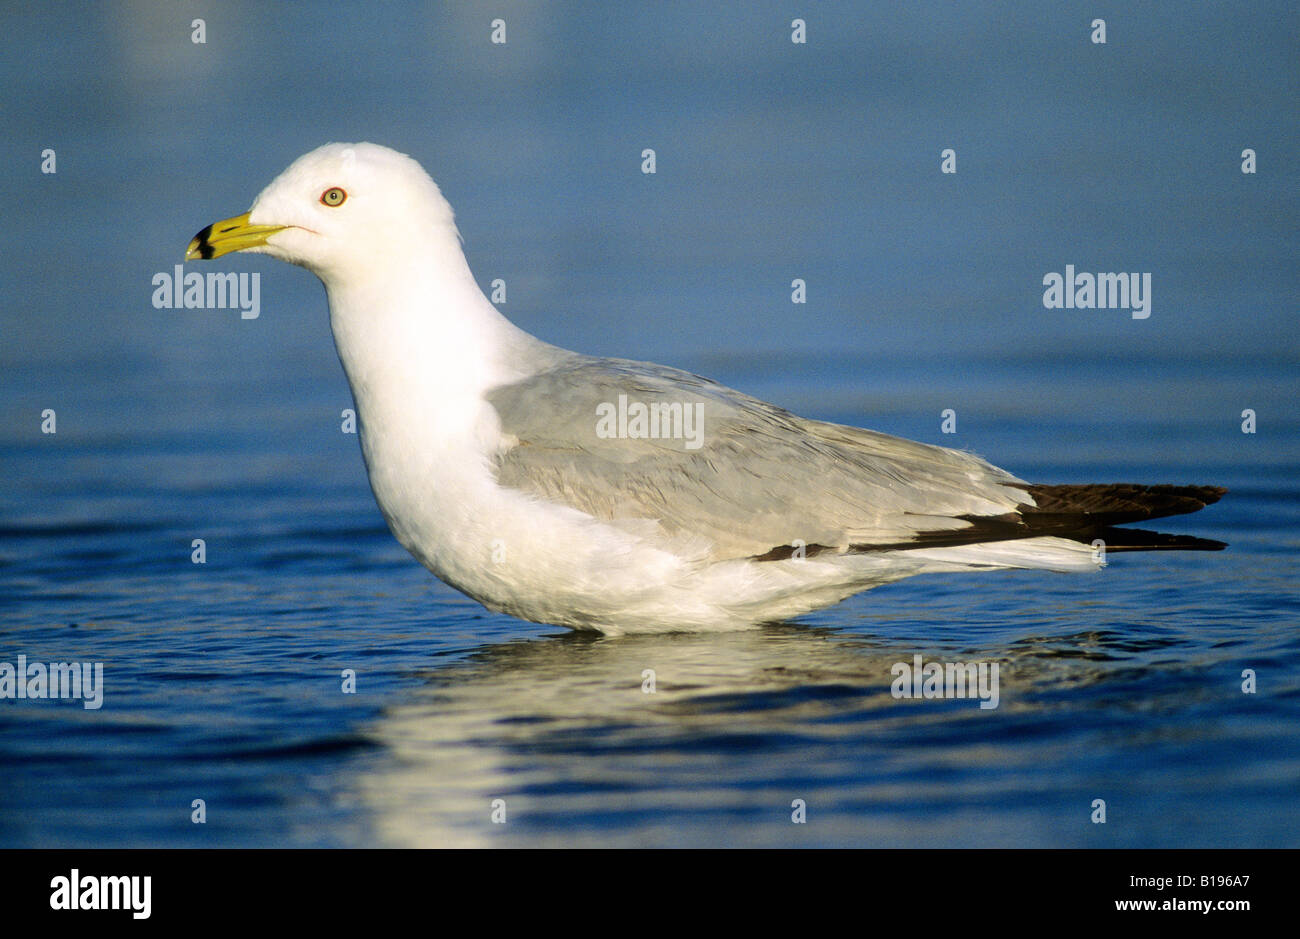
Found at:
(222, 680)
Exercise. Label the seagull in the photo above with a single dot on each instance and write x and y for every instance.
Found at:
(621, 496)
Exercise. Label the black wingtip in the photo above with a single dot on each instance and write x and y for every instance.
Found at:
(1083, 513)
(1115, 503)
(1138, 539)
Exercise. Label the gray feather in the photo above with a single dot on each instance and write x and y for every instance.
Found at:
(761, 479)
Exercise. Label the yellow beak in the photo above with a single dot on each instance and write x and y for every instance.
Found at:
(233, 234)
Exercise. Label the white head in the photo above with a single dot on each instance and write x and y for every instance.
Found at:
(342, 209)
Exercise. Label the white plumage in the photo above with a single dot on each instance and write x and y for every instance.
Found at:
(482, 448)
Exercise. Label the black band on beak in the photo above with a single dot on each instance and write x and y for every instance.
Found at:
(205, 246)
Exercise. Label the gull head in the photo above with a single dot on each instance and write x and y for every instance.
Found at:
(343, 208)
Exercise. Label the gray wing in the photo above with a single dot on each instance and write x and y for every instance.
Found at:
(750, 478)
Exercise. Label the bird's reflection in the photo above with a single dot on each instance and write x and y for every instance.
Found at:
(577, 732)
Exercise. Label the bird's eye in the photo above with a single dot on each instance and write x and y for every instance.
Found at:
(333, 197)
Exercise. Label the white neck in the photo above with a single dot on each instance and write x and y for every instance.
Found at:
(417, 337)
(420, 345)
